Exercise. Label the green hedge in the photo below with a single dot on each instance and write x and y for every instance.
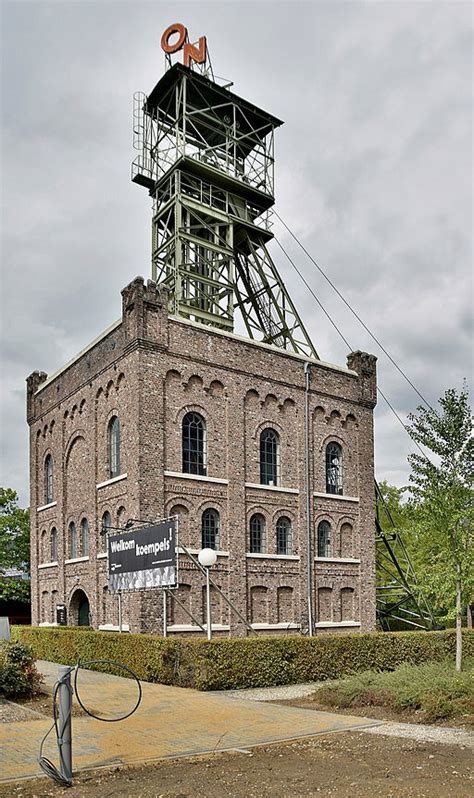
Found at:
(243, 662)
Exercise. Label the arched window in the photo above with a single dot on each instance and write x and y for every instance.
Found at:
(85, 537)
(48, 479)
(42, 547)
(269, 451)
(210, 529)
(324, 539)
(114, 447)
(121, 516)
(106, 526)
(194, 444)
(283, 530)
(72, 540)
(334, 468)
(54, 544)
(257, 534)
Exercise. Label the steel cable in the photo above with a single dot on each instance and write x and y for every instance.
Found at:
(45, 764)
(379, 390)
(354, 312)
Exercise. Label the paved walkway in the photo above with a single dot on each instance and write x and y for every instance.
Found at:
(170, 722)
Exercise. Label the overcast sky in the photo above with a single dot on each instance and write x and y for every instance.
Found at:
(373, 172)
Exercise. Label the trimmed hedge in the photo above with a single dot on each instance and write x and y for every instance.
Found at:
(223, 664)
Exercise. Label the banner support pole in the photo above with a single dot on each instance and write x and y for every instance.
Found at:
(165, 619)
(120, 610)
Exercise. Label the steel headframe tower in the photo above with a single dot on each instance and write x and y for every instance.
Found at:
(206, 157)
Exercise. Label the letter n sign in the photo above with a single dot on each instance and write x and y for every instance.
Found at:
(193, 53)
(190, 51)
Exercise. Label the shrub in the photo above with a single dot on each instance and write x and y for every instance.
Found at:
(18, 674)
(222, 664)
(434, 689)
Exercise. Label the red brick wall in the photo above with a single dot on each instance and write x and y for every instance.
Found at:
(150, 370)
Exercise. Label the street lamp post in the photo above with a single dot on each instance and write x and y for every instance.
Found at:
(208, 558)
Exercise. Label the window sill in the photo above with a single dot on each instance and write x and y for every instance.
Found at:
(46, 507)
(335, 624)
(47, 623)
(111, 481)
(281, 626)
(52, 564)
(102, 555)
(76, 559)
(263, 556)
(199, 477)
(109, 627)
(185, 627)
(195, 552)
(337, 497)
(277, 488)
(352, 560)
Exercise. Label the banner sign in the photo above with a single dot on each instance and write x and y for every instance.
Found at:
(144, 557)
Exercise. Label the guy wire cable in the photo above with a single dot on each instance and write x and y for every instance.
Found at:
(348, 305)
(45, 764)
(119, 665)
(348, 344)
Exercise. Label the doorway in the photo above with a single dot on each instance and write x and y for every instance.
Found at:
(80, 609)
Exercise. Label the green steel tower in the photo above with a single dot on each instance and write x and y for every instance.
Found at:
(207, 158)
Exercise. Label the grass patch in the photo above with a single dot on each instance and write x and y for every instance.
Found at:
(434, 690)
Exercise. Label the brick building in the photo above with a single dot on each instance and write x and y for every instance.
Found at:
(265, 454)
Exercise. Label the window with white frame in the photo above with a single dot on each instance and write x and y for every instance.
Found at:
(334, 468)
(194, 444)
(283, 535)
(114, 447)
(54, 544)
(72, 535)
(210, 529)
(48, 480)
(85, 537)
(324, 539)
(105, 528)
(269, 456)
(257, 534)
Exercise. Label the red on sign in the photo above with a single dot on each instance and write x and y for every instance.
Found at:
(190, 51)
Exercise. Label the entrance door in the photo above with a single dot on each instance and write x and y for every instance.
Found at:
(83, 615)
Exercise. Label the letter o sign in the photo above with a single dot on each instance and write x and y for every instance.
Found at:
(178, 28)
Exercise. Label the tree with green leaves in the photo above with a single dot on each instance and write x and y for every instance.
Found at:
(14, 545)
(442, 491)
(396, 502)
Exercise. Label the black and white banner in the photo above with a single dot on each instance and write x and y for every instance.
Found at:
(144, 557)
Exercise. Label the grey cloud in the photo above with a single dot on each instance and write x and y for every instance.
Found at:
(372, 172)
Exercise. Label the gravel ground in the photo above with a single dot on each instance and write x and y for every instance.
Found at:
(11, 712)
(411, 731)
(283, 693)
(426, 734)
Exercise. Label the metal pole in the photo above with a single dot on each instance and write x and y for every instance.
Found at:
(208, 601)
(165, 619)
(307, 448)
(120, 610)
(216, 587)
(65, 719)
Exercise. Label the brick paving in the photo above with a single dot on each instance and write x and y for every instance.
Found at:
(170, 722)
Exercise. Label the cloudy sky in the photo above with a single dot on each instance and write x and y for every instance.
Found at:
(373, 172)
